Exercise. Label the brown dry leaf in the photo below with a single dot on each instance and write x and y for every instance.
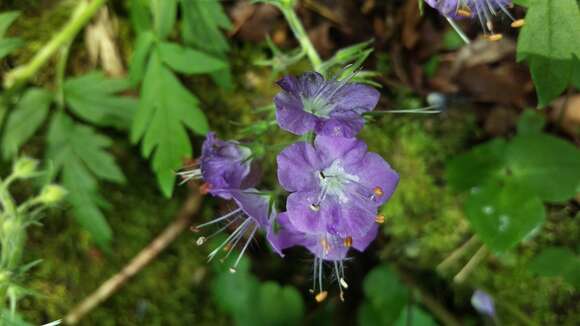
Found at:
(253, 24)
(569, 118)
(101, 45)
(482, 52)
(500, 121)
(411, 19)
(502, 84)
(320, 37)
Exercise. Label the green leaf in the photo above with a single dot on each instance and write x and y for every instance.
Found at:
(143, 46)
(530, 123)
(557, 262)
(8, 45)
(92, 98)
(549, 42)
(278, 305)
(164, 15)
(24, 120)
(546, 165)
(385, 294)
(79, 155)
(502, 216)
(189, 61)
(523, 3)
(415, 316)
(166, 111)
(475, 167)
(6, 19)
(140, 15)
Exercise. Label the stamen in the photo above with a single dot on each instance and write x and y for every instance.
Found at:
(518, 23)
(240, 229)
(233, 270)
(494, 37)
(380, 219)
(321, 296)
(200, 241)
(378, 191)
(250, 237)
(464, 12)
(315, 207)
(348, 242)
(224, 217)
(194, 229)
(325, 245)
(343, 283)
(204, 188)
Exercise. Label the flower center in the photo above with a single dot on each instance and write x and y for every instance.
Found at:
(333, 180)
(317, 105)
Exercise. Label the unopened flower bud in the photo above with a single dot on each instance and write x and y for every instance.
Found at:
(24, 167)
(52, 194)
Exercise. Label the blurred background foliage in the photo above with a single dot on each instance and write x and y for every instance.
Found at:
(489, 187)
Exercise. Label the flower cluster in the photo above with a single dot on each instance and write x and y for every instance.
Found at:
(483, 10)
(335, 185)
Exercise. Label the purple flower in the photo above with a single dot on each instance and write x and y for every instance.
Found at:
(336, 186)
(253, 212)
(331, 108)
(224, 166)
(484, 10)
(325, 247)
(483, 303)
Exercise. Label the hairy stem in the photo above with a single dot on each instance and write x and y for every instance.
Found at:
(83, 13)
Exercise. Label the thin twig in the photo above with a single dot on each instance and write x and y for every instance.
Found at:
(457, 253)
(110, 286)
(471, 264)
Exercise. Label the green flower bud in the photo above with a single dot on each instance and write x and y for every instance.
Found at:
(52, 194)
(24, 167)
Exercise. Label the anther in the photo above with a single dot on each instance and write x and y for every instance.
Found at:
(194, 229)
(464, 12)
(378, 191)
(518, 23)
(341, 296)
(227, 247)
(321, 296)
(200, 241)
(204, 188)
(380, 219)
(343, 283)
(315, 207)
(348, 241)
(233, 270)
(489, 25)
(325, 245)
(494, 37)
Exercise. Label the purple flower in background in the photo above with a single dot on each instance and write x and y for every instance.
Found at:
(253, 212)
(224, 166)
(329, 107)
(336, 186)
(483, 10)
(325, 247)
(483, 303)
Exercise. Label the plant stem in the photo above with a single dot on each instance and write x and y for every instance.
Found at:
(457, 253)
(19, 76)
(471, 264)
(301, 36)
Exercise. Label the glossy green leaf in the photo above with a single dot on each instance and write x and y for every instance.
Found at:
(93, 98)
(166, 111)
(549, 42)
(546, 165)
(557, 262)
(24, 120)
(164, 15)
(503, 215)
(79, 154)
(189, 61)
(475, 167)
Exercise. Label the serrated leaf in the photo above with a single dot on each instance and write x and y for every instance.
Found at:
(79, 154)
(24, 120)
(143, 46)
(557, 261)
(189, 61)
(546, 165)
(164, 15)
(475, 167)
(92, 98)
(6, 19)
(549, 42)
(502, 216)
(166, 111)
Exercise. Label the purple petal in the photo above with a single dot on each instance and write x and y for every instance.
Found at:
(297, 164)
(483, 303)
(287, 236)
(361, 243)
(255, 205)
(356, 98)
(291, 116)
(289, 84)
(311, 83)
(375, 173)
(334, 148)
(303, 217)
(340, 125)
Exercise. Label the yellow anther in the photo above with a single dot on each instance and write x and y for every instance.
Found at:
(321, 296)
(343, 283)
(464, 12)
(325, 245)
(348, 242)
(494, 37)
(227, 247)
(194, 229)
(200, 241)
(518, 23)
(378, 191)
(380, 219)
(315, 207)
